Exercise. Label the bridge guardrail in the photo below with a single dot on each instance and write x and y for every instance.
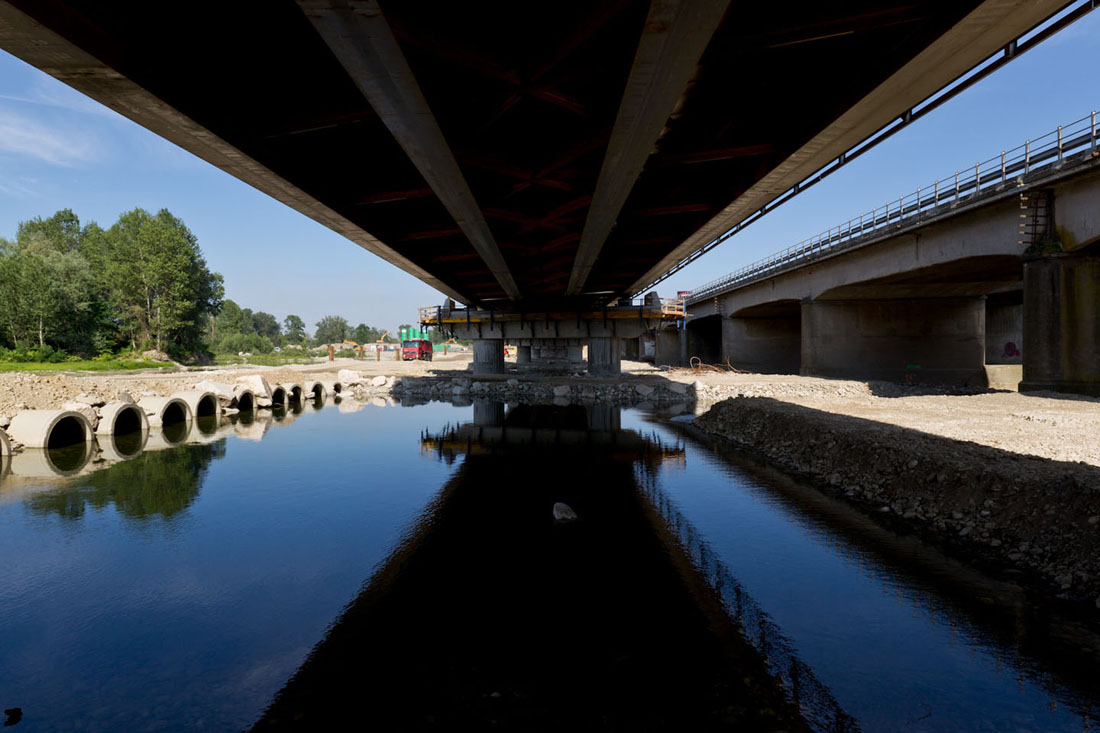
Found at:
(984, 179)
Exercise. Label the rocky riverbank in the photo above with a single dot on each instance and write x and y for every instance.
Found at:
(1035, 519)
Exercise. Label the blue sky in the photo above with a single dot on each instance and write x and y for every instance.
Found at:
(60, 149)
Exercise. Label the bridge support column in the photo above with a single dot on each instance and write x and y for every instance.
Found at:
(488, 356)
(764, 345)
(603, 357)
(575, 354)
(1061, 349)
(488, 413)
(929, 340)
(666, 347)
(523, 354)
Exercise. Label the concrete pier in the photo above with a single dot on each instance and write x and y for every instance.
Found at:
(767, 345)
(929, 340)
(603, 357)
(523, 354)
(488, 356)
(1061, 323)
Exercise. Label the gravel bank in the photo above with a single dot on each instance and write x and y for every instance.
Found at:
(1034, 517)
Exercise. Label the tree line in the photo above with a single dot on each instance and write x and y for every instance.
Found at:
(82, 290)
(142, 283)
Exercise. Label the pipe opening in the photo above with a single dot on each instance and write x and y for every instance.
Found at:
(245, 403)
(278, 395)
(127, 421)
(67, 431)
(175, 432)
(207, 406)
(336, 387)
(174, 413)
(295, 394)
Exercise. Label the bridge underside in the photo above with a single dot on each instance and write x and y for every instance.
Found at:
(555, 153)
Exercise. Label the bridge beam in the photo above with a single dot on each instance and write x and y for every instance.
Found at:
(359, 36)
(925, 340)
(675, 35)
(1061, 328)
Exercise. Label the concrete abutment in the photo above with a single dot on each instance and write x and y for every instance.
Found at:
(1061, 323)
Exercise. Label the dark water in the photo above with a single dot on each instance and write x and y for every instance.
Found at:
(402, 564)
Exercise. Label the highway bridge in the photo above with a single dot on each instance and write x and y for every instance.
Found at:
(552, 158)
(989, 275)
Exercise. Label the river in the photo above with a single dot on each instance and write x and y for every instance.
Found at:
(403, 564)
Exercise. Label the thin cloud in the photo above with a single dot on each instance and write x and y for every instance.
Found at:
(38, 139)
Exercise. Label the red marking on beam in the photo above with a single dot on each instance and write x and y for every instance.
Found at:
(391, 196)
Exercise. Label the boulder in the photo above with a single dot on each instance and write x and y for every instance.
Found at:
(643, 389)
(126, 397)
(258, 385)
(4, 421)
(223, 392)
(155, 355)
(84, 409)
(89, 399)
(351, 377)
(677, 387)
(562, 390)
(378, 381)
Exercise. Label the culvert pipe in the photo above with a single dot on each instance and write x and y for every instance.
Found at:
(5, 444)
(50, 428)
(245, 399)
(202, 403)
(333, 387)
(314, 390)
(294, 392)
(164, 411)
(278, 396)
(121, 418)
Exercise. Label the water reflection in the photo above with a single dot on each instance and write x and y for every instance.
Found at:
(493, 614)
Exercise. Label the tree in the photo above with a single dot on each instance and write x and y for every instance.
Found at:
(266, 325)
(365, 334)
(231, 320)
(331, 330)
(158, 281)
(60, 233)
(294, 328)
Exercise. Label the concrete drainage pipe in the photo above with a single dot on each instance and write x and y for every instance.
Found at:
(332, 387)
(201, 402)
(294, 392)
(278, 396)
(50, 428)
(246, 399)
(164, 411)
(121, 418)
(314, 390)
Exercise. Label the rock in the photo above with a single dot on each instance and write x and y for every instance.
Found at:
(125, 396)
(86, 410)
(4, 421)
(378, 381)
(20, 406)
(678, 387)
(258, 385)
(223, 392)
(643, 389)
(513, 382)
(90, 400)
(350, 377)
(562, 390)
(563, 512)
(155, 355)
(1092, 520)
(460, 389)
(698, 386)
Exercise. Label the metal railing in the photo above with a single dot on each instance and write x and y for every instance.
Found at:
(1008, 171)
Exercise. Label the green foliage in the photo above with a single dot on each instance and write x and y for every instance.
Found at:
(236, 343)
(87, 290)
(266, 325)
(365, 334)
(294, 328)
(331, 330)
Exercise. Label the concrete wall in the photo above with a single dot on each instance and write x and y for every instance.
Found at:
(1004, 328)
(935, 340)
(765, 345)
(704, 339)
(667, 347)
(1062, 323)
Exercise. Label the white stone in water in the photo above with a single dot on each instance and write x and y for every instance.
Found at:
(563, 512)
(378, 381)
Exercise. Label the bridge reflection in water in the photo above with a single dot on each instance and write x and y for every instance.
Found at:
(490, 613)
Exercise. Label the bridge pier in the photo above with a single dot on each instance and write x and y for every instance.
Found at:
(1061, 324)
(768, 345)
(523, 354)
(488, 356)
(929, 340)
(603, 357)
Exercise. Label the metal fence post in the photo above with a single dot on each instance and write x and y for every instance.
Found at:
(1004, 174)
(1059, 144)
(1027, 157)
(936, 185)
(956, 185)
(1093, 116)
(978, 177)
(918, 203)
